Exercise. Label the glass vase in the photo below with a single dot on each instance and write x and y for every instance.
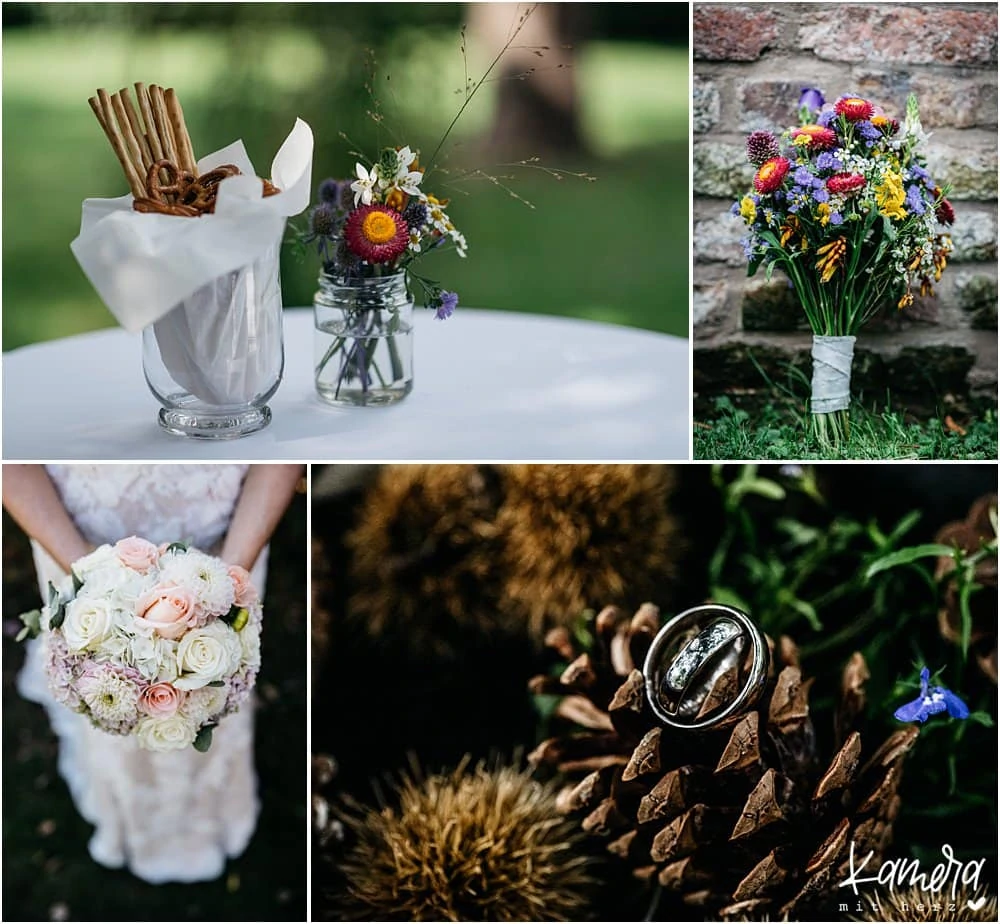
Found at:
(363, 340)
(215, 359)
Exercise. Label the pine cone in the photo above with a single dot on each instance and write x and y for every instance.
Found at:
(742, 821)
(573, 532)
(969, 535)
(424, 552)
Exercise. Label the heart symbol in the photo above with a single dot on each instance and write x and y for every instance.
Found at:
(977, 904)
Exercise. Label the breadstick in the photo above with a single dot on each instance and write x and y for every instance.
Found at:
(125, 127)
(107, 121)
(163, 124)
(146, 108)
(136, 125)
(181, 137)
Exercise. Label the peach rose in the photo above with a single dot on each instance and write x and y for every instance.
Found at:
(246, 593)
(167, 610)
(137, 554)
(160, 699)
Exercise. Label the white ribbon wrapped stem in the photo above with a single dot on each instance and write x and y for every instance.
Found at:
(831, 382)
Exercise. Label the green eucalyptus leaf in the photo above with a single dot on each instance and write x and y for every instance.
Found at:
(77, 582)
(217, 683)
(203, 740)
(177, 547)
(58, 616)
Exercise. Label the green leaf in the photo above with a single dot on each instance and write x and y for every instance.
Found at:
(53, 596)
(981, 718)
(728, 597)
(545, 705)
(807, 610)
(203, 740)
(217, 683)
(760, 486)
(177, 547)
(58, 616)
(77, 582)
(908, 555)
(32, 624)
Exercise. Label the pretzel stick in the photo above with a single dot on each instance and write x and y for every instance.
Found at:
(136, 125)
(183, 140)
(125, 127)
(163, 124)
(146, 108)
(107, 121)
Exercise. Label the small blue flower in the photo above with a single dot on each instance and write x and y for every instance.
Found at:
(931, 701)
(821, 195)
(825, 118)
(446, 307)
(828, 161)
(803, 176)
(734, 209)
(329, 191)
(867, 131)
(836, 218)
(919, 173)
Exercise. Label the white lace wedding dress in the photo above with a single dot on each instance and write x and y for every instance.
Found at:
(167, 817)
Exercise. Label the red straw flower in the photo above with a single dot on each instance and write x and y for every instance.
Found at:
(845, 183)
(770, 174)
(818, 136)
(944, 211)
(854, 109)
(376, 233)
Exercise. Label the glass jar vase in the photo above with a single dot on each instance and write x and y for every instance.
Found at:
(215, 359)
(363, 340)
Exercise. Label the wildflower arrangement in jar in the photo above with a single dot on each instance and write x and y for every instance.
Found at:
(843, 204)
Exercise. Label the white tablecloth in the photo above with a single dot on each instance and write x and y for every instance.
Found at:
(488, 385)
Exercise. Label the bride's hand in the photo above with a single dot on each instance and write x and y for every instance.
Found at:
(267, 492)
(31, 499)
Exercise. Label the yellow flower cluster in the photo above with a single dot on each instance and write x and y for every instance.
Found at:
(748, 210)
(890, 196)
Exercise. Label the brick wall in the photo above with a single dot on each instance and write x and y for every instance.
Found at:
(750, 62)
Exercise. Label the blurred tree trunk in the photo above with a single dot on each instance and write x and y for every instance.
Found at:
(539, 112)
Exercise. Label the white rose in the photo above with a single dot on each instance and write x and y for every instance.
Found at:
(100, 559)
(250, 644)
(206, 655)
(204, 704)
(88, 622)
(165, 733)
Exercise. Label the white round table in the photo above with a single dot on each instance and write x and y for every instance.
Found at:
(488, 386)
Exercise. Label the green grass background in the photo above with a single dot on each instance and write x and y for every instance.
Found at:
(615, 250)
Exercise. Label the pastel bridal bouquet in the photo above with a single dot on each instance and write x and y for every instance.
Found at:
(153, 642)
(844, 205)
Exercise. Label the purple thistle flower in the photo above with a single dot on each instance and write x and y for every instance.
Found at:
(323, 220)
(931, 701)
(415, 214)
(446, 306)
(329, 191)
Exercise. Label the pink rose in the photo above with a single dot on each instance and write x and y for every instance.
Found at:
(137, 554)
(246, 593)
(167, 610)
(160, 699)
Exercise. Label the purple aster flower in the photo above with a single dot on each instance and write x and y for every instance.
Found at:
(931, 701)
(826, 118)
(811, 99)
(446, 307)
(836, 218)
(734, 209)
(915, 201)
(918, 173)
(747, 246)
(828, 161)
(821, 195)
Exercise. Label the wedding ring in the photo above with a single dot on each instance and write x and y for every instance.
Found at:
(706, 667)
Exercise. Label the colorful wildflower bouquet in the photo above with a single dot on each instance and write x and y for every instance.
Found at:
(370, 232)
(153, 642)
(844, 205)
